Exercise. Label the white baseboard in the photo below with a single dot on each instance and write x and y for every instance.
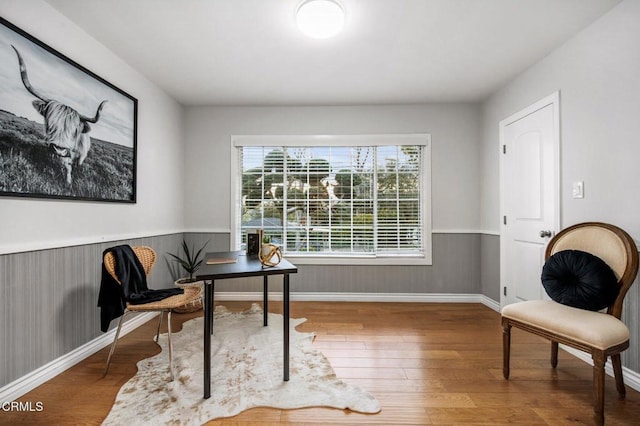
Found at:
(490, 303)
(366, 297)
(26, 383)
(631, 378)
(359, 297)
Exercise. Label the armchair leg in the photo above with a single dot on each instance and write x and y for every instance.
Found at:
(506, 347)
(554, 354)
(113, 345)
(159, 325)
(617, 372)
(170, 343)
(598, 387)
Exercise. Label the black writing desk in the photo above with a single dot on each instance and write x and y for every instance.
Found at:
(245, 266)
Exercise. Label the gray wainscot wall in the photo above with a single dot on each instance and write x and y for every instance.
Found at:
(48, 298)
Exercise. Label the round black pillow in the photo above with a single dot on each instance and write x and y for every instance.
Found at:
(579, 279)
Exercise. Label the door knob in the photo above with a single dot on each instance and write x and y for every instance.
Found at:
(544, 234)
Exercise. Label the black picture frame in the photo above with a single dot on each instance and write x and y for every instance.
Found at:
(50, 106)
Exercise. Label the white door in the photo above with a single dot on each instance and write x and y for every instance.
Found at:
(529, 152)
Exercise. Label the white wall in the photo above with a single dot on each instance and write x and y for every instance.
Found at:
(27, 224)
(454, 130)
(598, 75)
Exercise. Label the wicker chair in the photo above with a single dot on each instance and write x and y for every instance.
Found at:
(601, 334)
(147, 257)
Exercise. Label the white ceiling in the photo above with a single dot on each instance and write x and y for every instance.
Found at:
(250, 52)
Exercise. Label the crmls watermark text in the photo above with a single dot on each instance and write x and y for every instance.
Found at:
(22, 406)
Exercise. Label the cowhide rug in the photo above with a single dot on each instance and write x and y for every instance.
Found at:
(246, 372)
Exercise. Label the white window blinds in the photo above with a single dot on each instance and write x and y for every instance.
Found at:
(335, 199)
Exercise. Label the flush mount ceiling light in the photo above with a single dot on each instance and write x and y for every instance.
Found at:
(320, 18)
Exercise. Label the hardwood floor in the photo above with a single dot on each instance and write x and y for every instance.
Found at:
(426, 363)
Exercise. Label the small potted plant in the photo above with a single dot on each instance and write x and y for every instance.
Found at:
(190, 260)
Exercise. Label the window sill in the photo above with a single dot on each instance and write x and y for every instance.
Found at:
(372, 261)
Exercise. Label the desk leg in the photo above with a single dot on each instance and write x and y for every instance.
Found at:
(265, 299)
(213, 307)
(285, 308)
(208, 308)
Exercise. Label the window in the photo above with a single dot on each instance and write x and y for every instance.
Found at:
(336, 199)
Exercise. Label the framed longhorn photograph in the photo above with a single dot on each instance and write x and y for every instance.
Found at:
(65, 132)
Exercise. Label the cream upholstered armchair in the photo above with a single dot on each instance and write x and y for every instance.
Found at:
(601, 334)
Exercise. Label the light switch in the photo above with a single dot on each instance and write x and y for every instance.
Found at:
(578, 189)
